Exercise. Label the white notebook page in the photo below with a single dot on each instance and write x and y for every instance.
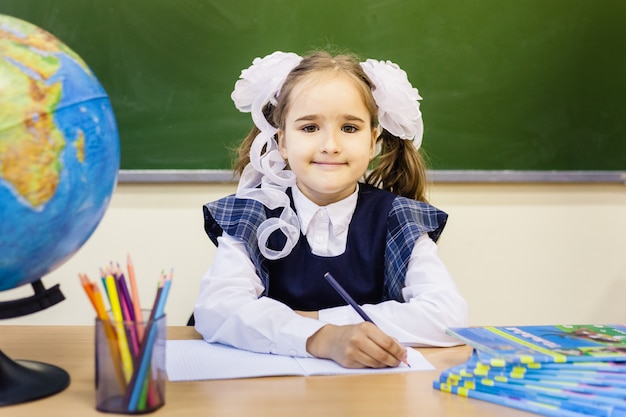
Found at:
(193, 360)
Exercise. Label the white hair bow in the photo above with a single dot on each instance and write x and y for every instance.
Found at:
(265, 179)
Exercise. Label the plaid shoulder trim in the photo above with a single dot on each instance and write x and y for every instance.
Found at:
(417, 216)
(408, 220)
(240, 218)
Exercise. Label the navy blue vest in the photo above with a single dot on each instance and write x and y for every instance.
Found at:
(298, 279)
(385, 226)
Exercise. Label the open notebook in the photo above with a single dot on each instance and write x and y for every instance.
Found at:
(193, 360)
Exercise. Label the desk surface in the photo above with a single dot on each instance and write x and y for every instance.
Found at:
(397, 395)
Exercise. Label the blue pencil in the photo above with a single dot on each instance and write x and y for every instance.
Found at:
(344, 294)
(346, 297)
(136, 384)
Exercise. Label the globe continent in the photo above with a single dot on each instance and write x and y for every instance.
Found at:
(59, 152)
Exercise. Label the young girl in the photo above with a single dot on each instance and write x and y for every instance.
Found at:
(301, 211)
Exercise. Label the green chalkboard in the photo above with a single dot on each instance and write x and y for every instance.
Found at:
(518, 84)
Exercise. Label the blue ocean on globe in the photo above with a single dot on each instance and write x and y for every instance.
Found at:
(45, 218)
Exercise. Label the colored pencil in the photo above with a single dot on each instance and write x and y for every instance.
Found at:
(130, 343)
(348, 299)
(136, 384)
(98, 303)
(127, 311)
(116, 310)
(135, 294)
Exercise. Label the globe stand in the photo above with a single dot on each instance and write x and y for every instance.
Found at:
(42, 299)
(20, 380)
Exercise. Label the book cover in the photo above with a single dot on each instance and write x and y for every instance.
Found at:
(545, 343)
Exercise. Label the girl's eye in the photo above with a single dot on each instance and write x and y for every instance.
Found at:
(309, 128)
(349, 129)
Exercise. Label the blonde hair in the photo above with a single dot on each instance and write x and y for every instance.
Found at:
(399, 167)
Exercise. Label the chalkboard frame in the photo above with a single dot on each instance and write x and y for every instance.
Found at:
(435, 176)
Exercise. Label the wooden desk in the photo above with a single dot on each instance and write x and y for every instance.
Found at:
(394, 395)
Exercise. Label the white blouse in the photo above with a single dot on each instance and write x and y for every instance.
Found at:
(229, 310)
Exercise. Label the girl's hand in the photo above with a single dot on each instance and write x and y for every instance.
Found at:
(360, 345)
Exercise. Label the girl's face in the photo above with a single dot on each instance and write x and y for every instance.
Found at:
(327, 137)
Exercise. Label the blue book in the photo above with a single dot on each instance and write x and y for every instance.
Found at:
(541, 344)
(567, 373)
(548, 370)
(557, 389)
(519, 402)
(545, 402)
(597, 389)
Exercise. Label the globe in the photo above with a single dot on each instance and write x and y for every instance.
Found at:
(59, 152)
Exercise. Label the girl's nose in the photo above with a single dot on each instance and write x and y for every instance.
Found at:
(330, 143)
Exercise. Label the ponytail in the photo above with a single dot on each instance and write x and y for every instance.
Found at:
(399, 168)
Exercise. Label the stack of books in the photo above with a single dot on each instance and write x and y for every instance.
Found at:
(567, 370)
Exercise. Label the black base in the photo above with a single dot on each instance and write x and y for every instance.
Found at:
(23, 381)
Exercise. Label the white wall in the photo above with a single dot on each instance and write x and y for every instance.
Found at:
(521, 254)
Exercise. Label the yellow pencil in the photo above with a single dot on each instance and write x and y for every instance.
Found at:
(116, 309)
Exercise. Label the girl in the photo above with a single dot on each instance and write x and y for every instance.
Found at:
(300, 211)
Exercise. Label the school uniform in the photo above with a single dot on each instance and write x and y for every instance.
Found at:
(379, 246)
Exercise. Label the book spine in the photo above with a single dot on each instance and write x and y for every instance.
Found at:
(556, 409)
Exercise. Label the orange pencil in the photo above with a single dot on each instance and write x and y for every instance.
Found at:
(94, 295)
(86, 284)
(135, 295)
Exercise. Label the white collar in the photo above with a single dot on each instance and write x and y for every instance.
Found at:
(340, 213)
